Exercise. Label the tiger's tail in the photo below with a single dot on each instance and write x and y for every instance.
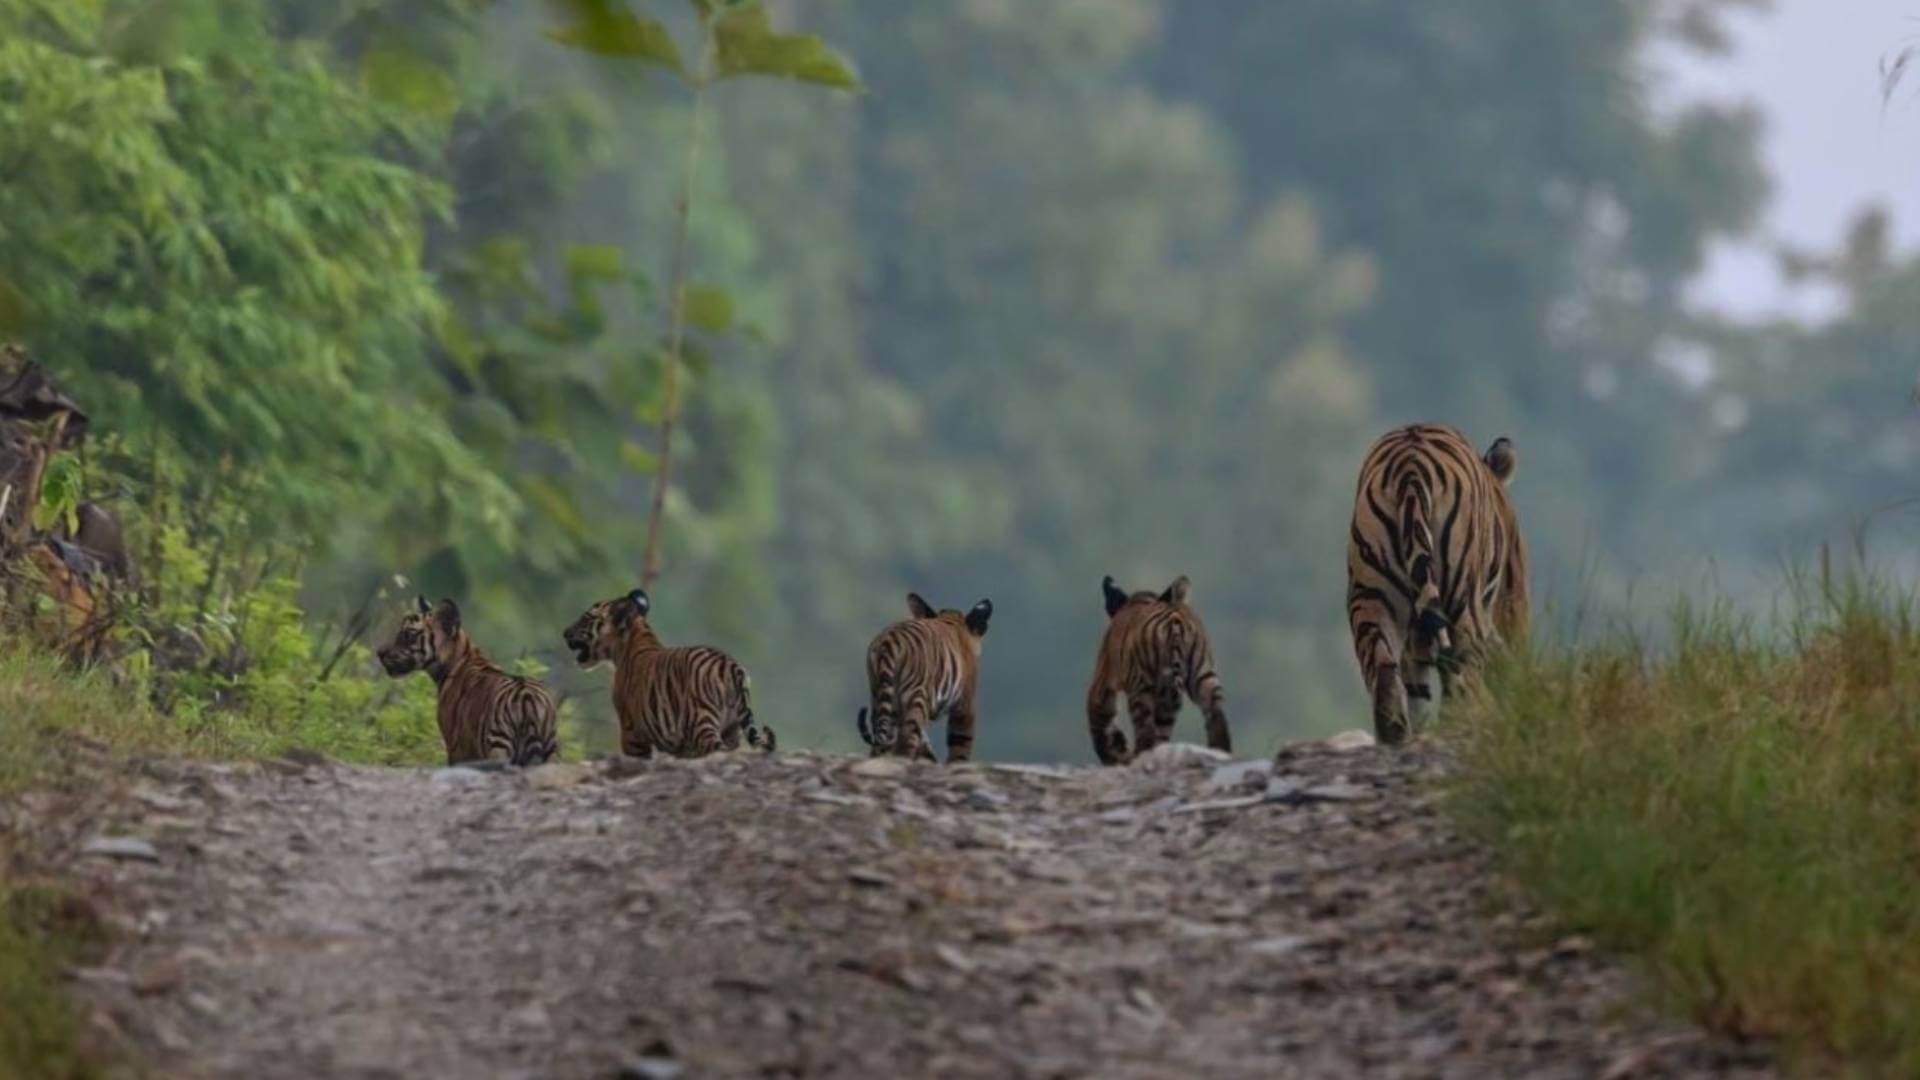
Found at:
(884, 731)
(1430, 621)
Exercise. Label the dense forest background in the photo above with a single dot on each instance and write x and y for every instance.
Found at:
(364, 288)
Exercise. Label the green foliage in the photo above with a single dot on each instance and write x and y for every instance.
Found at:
(709, 308)
(43, 934)
(739, 34)
(222, 260)
(60, 494)
(1736, 809)
(745, 43)
(602, 27)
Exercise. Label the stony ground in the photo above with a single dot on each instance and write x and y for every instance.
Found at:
(818, 916)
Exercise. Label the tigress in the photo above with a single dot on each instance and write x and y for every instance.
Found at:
(919, 669)
(688, 701)
(1436, 567)
(1155, 648)
(485, 713)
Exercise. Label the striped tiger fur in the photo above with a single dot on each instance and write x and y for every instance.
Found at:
(919, 669)
(485, 714)
(1155, 648)
(1436, 568)
(688, 701)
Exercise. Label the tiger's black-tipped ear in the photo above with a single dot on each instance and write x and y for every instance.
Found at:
(446, 614)
(919, 608)
(422, 602)
(641, 602)
(1502, 459)
(1116, 596)
(1177, 592)
(977, 618)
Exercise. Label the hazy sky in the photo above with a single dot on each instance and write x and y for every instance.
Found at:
(1813, 67)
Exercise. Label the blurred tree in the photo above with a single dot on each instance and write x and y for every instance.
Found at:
(1533, 216)
(201, 234)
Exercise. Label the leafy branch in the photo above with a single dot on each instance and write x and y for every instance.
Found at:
(735, 38)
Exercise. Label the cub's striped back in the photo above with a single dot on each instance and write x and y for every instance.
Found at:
(688, 701)
(919, 669)
(485, 713)
(1436, 567)
(1154, 650)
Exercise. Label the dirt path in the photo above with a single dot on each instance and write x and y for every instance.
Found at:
(800, 916)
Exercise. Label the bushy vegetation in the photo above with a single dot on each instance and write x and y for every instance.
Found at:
(1737, 806)
(46, 704)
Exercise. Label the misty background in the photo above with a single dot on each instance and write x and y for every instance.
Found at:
(1076, 287)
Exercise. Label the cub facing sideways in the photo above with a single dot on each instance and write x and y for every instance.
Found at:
(919, 669)
(485, 713)
(688, 701)
(1154, 650)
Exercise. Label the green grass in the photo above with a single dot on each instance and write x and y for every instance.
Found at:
(42, 930)
(1740, 807)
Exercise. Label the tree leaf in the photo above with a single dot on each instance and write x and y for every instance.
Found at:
(709, 307)
(606, 28)
(638, 458)
(403, 77)
(593, 262)
(746, 44)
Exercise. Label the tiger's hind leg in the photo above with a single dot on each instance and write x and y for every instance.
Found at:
(1424, 691)
(1211, 697)
(706, 736)
(960, 732)
(1109, 745)
(1376, 645)
(1390, 727)
(1166, 710)
(1140, 709)
(911, 740)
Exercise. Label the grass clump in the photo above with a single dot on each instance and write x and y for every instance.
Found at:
(46, 710)
(42, 931)
(1740, 807)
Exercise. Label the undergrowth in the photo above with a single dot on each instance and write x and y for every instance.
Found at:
(1738, 807)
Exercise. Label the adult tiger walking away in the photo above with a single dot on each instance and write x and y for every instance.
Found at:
(688, 701)
(1155, 648)
(919, 669)
(485, 713)
(1436, 567)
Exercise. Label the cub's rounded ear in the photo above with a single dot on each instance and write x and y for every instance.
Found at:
(422, 602)
(1502, 459)
(1116, 596)
(639, 599)
(919, 608)
(977, 618)
(1177, 592)
(447, 614)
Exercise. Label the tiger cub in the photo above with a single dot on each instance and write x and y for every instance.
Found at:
(919, 669)
(688, 701)
(485, 714)
(1155, 648)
